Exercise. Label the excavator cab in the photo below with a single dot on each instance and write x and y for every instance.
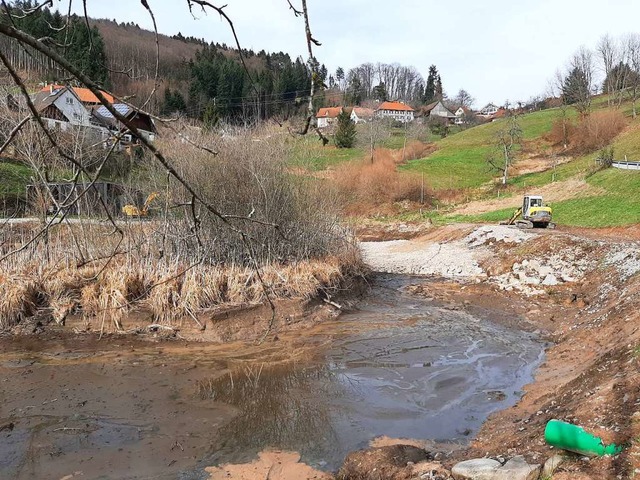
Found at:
(530, 203)
(533, 213)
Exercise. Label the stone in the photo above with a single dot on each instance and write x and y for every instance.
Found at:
(551, 465)
(550, 280)
(477, 469)
(544, 270)
(518, 469)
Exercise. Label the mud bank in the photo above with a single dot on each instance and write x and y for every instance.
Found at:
(173, 424)
(399, 364)
(578, 291)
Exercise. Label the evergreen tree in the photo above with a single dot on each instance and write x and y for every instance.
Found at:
(439, 94)
(173, 102)
(345, 136)
(575, 87)
(354, 94)
(86, 51)
(211, 116)
(430, 88)
(380, 92)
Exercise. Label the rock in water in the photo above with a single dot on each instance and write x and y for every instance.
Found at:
(477, 469)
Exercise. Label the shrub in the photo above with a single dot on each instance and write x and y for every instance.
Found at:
(364, 186)
(596, 131)
(605, 157)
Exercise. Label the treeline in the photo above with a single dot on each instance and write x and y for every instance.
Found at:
(221, 88)
(81, 45)
(380, 81)
(617, 58)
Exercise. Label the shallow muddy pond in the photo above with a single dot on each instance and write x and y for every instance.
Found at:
(406, 369)
(399, 365)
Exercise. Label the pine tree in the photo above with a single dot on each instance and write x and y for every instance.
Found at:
(430, 89)
(439, 94)
(575, 87)
(345, 136)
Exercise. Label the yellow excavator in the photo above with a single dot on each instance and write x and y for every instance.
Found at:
(133, 211)
(533, 213)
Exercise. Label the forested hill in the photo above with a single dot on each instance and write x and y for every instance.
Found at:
(198, 79)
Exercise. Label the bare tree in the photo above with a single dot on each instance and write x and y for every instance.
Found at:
(632, 48)
(581, 69)
(464, 99)
(506, 141)
(556, 90)
(609, 56)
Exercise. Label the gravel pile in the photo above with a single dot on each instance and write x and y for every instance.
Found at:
(421, 258)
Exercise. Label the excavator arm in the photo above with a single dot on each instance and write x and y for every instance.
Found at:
(514, 217)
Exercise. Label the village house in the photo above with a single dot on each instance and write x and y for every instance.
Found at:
(61, 108)
(395, 110)
(488, 110)
(64, 107)
(326, 116)
(141, 121)
(361, 114)
(437, 109)
(461, 115)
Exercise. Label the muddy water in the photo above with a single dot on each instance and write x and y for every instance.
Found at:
(399, 366)
(402, 367)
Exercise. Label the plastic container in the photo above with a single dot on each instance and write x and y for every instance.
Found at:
(575, 439)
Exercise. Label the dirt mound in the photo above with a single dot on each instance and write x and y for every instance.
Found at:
(392, 462)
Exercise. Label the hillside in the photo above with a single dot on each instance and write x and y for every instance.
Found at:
(580, 192)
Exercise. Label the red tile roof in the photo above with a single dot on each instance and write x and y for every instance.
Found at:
(363, 112)
(84, 94)
(329, 112)
(395, 106)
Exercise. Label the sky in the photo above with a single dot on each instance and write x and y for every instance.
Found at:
(497, 50)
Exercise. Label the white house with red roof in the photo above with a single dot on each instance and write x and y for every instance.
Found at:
(398, 111)
(327, 115)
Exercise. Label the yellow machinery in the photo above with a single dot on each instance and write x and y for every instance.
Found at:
(533, 213)
(133, 211)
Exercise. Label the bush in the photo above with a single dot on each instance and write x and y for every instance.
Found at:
(248, 178)
(439, 126)
(364, 186)
(590, 133)
(605, 157)
(597, 130)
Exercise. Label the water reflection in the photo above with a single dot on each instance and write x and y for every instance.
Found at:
(282, 406)
(435, 377)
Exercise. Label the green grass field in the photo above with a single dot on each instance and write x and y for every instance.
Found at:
(461, 159)
(13, 179)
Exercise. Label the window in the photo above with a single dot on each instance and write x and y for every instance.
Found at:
(69, 101)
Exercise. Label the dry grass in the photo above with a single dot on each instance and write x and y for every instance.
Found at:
(365, 186)
(590, 133)
(171, 291)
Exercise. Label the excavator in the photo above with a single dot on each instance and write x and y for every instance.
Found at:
(532, 214)
(133, 211)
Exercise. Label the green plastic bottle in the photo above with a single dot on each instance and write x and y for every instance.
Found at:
(575, 439)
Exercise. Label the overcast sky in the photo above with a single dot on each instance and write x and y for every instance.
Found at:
(495, 49)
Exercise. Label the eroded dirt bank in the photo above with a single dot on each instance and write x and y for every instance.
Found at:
(580, 293)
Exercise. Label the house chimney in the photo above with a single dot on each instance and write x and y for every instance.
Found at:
(51, 88)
